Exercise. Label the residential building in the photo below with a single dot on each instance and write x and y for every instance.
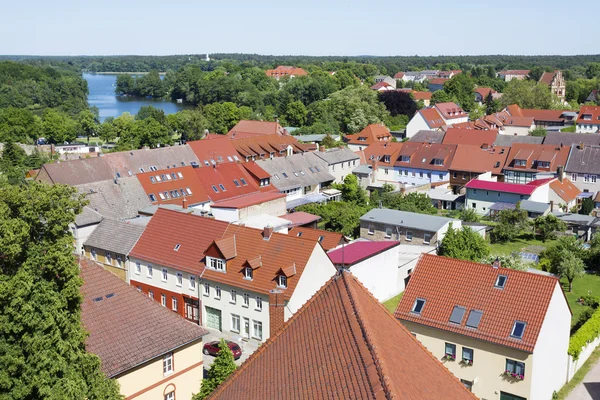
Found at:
(417, 76)
(583, 167)
(470, 162)
(420, 164)
(426, 136)
(302, 219)
(486, 197)
(76, 149)
(227, 181)
(571, 139)
(482, 93)
(174, 185)
(526, 161)
(593, 97)
(471, 137)
(248, 206)
(556, 82)
(435, 84)
(436, 117)
(355, 351)
(85, 223)
(382, 87)
(245, 128)
(379, 165)
(588, 120)
(340, 161)
(214, 149)
(550, 118)
(285, 71)
(503, 333)
(328, 240)
(387, 79)
(371, 134)
(405, 227)
(563, 193)
(425, 97)
(151, 352)
(261, 147)
(110, 244)
(225, 276)
(509, 75)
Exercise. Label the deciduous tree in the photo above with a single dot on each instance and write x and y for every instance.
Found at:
(221, 368)
(464, 244)
(570, 267)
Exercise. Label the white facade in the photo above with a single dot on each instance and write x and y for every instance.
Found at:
(273, 207)
(513, 130)
(379, 274)
(418, 177)
(342, 169)
(77, 149)
(416, 124)
(551, 349)
(155, 278)
(582, 127)
(585, 182)
(81, 234)
(480, 199)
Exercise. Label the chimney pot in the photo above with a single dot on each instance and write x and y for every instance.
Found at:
(184, 204)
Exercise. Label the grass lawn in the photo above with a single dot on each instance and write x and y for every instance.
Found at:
(392, 303)
(579, 375)
(588, 284)
(521, 243)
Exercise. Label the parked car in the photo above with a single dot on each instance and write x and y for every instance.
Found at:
(213, 349)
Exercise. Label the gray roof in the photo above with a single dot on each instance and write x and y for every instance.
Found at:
(363, 169)
(115, 236)
(299, 164)
(429, 223)
(569, 138)
(425, 136)
(88, 216)
(121, 200)
(584, 160)
(534, 206)
(337, 155)
(508, 140)
(579, 219)
(309, 138)
(76, 172)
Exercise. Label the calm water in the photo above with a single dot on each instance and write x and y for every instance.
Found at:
(102, 95)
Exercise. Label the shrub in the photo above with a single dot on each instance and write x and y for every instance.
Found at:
(591, 301)
(589, 331)
(585, 315)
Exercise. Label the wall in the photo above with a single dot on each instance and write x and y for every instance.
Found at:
(489, 362)
(398, 233)
(574, 365)
(583, 127)
(341, 170)
(225, 214)
(516, 130)
(81, 234)
(379, 274)
(483, 199)
(551, 349)
(275, 208)
(416, 124)
(541, 194)
(147, 382)
(558, 201)
(118, 269)
(582, 185)
(412, 176)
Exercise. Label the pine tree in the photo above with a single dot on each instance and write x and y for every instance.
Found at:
(222, 367)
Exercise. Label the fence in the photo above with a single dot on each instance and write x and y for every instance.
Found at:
(574, 365)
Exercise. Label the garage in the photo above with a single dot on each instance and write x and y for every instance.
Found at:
(213, 318)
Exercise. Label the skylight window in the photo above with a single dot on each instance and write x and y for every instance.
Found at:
(222, 187)
(236, 158)
(177, 247)
(295, 173)
(518, 330)
(284, 175)
(188, 191)
(236, 183)
(158, 179)
(167, 195)
(152, 179)
(206, 163)
(164, 177)
(311, 169)
(457, 314)
(162, 196)
(317, 168)
(321, 238)
(243, 181)
(302, 173)
(213, 162)
(215, 189)
(277, 176)
(173, 175)
(230, 159)
(152, 197)
(501, 281)
(168, 177)
(418, 306)
(474, 319)
(299, 234)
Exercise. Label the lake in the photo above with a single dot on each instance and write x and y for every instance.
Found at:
(102, 95)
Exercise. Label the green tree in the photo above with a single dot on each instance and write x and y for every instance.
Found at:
(190, 124)
(468, 215)
(461, 87)
(411, 202)
(548, 225)
(587, 205)
(19, 125)
(491, 106)
(296, 113)
(512, 261)
(12, 164)
(564, 244)
(222, 117)
(464, 244)
(570, 267)
(511, 223)
(351, 190)
(42, 340)
(329, 142)
(528, 94)
(539, 131)
(87, 124)
(221, 368)
(125, 84)
(345, 78)
(441, 96)
(58, 127)
(355, 107)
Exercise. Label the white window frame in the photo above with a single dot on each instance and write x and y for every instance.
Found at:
(216, 264)
(391, 231)
(167, 364)
(206, 289)
(151, 294)
(282, 281)
(170, 396)
(174, 304)
(409, 236)
(426, 238)
(235, 320)
(248, 273)
(163, 299)
(93, 253)
(259, 303)
(164, 275)
(246, 298)
(574, 177)
(108, 257)
(233, 296)
(257, 329)
(217, 292)
(371, 229)
(192, 282)
(179, 281)
(149, 271)
(138, 268)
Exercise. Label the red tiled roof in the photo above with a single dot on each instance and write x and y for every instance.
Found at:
(514, 72)
(432, 118)
(284, 70)
(379, 150)
(175, 185)
(421, 95)
(470, 136)
(438, 81)
(380, 85)
(422, 155)
(256, 171)
(478, 159)
(300, 218)
(399, 75)
(591, 114)
(248, 200)
(226, 175)
(372, 133)
(484, 91)
(214, 147)
(446, 282)
(547, 77)
(566, 190)
(356, 351)
(519, 121)
(544, 115)
(556, 155)
(514, 110)
(328, 240)
(450, 110)
(262, 146)
(246, 128)
(356, 252)
(126, 327)
(517, 188)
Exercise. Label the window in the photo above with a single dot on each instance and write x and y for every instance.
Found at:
(418, 306)
(158, 178)
(467, 384)
(162, 196)
(586, 178)
(235, 323)
(138, 268)
(233, 296)
(248, 273)
(246, 300)
(216, 264)
(574, 177)
(163, 300)
(217, 292)
(93, 253)
(168, 363)
(180, 175)
(426, 238)
(174, 303)
(321, 238)
(500, 281)
(450, 350)
(474, 319)
(515, 368)
(167, 195)
(593, 178)
(518, 330)
(149, 271)
(409, 236)
(467, 355)
(188, 191)
(457, 314)
(151, 294)
(259, 303)
(215, 189)
(282, 281)
(222, 187)
(119, 261)
(192, 282)
(152, 197)
(420, 174)
(165, 274)
(388, 232)
(236, 183)
(474, 191)
(177, 247)
(243, 181)
(257, 329)
(179, 279)
(109, 258)
(371, 229)
(441, 177)
(206, 289)
(317, 168)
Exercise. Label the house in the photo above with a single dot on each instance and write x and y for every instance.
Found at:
(550, 118)
(214, 150)
(76, 148)
(510, 74)
(571, 139)
(379, 165)
(443, 198)
(503, 333)
(405, 227)
(588, 120)
(287, 71)
(487, 197)
(245, 128)
(355, 351)
(227, 276)
(227, 181)
(436, 117)
(260, 147)
(383, 87)
(418, 76)
(110, 243)
(482, 93)
(327, 240)
(371, 134)
(449, 74)
(583, 167)
(85, 223)
(470, 137)
(563, 193)
(526, 161)
(556, 82)
(534, 208)
(301, 219)
(150, 351)
(425, 97)
(173, 186)
(436, 84)
(593, 97)
(426, 136)
(471, 161)
(340, 161)
(298, 175)
(242, 208)
(387, 79)
(420, 164)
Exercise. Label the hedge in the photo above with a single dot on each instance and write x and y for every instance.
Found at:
(587, 333)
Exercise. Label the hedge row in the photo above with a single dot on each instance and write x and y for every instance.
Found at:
(587, 333)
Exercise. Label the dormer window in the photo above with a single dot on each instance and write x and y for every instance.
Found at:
(248, 273)
(177, 247)
(520, 163)
(405, 159)
(418, 306)
(386, 159)
(215, 263)
(438, 161)
(282, 281)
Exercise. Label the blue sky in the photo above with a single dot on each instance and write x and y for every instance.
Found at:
(308, 27)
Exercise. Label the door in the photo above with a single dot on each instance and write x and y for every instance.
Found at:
(508, 396)
(213, 318)
(246, 331)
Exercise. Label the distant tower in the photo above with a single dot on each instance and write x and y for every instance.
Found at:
(207, 57)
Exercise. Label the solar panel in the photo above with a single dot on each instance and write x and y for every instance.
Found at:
(474, 319)
(457, 314)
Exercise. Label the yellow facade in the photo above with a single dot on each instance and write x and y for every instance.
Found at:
(489, 362)
(111, 264)
(148, 382)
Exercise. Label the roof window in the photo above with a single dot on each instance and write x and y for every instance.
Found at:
(243, 181)
(317, 168)
(295, 173)
(457, 314)
(206, 163)
(418, 306)
(236, 183)
(180, 175)
(321, 238)
(518, 330)
(222, 187)
(188, 191)
(173, 175)
(177, 247)
(299, 234)
(474, 319)
(215, 189)
(158, 179)
(229, 158)
(152, 179)
(500, 281)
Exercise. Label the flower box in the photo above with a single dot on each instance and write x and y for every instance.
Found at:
(514, 375)
(467, 362)
(450, 357)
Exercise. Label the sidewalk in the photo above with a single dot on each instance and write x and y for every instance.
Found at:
(248, 347)
(589, 388)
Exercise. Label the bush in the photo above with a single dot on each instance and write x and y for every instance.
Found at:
(591, 301)
(585, 315)
(589, 331)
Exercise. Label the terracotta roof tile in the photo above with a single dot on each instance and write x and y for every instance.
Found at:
(173, 185)
(446, 282)
(356, 350)
(372, 133)
(284, 70)
(556, 155)
(547, 77)
(328, 240)
(470, 136)
(299, 218)
(246, 128)
(217, 148)
(566, 190)
(249, 200)
(589, 115)
(478, 159)
(219, 182)
(256, 171)
(227, 247)
(422, 155)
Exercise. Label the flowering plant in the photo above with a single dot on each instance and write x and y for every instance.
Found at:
(467, 362)
(450, 357)
(514, 375)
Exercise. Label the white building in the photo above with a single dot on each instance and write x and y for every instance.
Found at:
(341, 161)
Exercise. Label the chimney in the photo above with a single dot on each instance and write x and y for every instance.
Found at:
(267, 232)
(560, 171)
(485, 146)
(276, 311)
(581, 146)
(551, 205)
(322, 149)
(184, 203)
(496, 263)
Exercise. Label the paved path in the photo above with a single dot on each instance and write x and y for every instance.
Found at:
(248, 347)
(589, 388)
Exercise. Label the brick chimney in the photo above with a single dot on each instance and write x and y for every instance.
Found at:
(560, 171)
(276, 311)
(184, 203)
(551, 206)
(322, 149)
(267, 232)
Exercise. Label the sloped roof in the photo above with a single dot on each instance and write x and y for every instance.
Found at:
(484, 91)
(356, 351)
(470, 136)
(378, 151)
(300, 218)
(547, 77)
(451, 110)
(514, 72)
(566, 190)
(328, 240)
(421, 95)
(248, 200)
(372, 133)
(477, 159)
(226, 175)
(508, 140)
(430, 223)
(261, 146)
(120, 200)
(556, 155)
(284, 70)
(570, 138)
(126, 327)
(88, 216)
(256, 171)
(115, 236)
(175, 185)
(76, 172)
(358, 251)
(544, 115)
(422, 155)
(297, 167)
(424, 136)
(217, 148)
(517, 188)
(246, 128)
(337, 155)
(446, 282)
(592, 113)
(584, 159)
(128, 163)
(432, 117)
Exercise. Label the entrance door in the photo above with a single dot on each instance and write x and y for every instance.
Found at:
(192, 309)
(508, 396)
(246, 330)
(213, 318)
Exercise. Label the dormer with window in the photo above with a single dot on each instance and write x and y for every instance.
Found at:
(520, 163)
(216, 264)
(405, 158)
(386, 159)
(282, 281)
(438, 161)
(248, 273)
(284, 274)
(249, 266)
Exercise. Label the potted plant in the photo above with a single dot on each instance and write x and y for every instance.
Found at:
(467, 361)
(450, 357)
